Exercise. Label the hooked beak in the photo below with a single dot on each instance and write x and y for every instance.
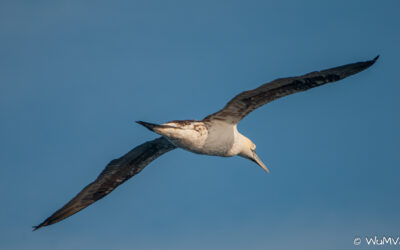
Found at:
(257, 160)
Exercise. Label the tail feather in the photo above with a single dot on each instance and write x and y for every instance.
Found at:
(149, 126)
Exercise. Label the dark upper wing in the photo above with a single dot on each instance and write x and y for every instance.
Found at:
(242, 104)
(116, 173)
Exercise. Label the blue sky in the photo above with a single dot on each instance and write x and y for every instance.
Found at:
(75, 75)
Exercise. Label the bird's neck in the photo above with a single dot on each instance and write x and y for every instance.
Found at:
(242, 145)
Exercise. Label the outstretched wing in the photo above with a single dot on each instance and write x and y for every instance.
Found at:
(117, 172)
(244, 103)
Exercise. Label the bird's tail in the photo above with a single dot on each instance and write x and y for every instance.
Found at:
(162, 129)
(148, 125)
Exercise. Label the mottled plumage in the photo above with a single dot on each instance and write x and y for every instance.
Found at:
(216, 134)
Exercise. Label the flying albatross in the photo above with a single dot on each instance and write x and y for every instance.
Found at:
(216, 134)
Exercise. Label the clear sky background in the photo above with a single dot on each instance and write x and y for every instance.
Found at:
(75, 75)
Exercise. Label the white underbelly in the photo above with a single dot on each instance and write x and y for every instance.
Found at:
(199, 138)
(210, 144)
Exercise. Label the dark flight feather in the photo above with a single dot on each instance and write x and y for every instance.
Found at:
(116, 172)
(245, 102)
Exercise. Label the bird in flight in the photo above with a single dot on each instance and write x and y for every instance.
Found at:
(216, 135)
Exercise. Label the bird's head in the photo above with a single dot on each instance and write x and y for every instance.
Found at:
(248, 151)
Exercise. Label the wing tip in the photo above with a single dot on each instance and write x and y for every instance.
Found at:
(38, 226)
(376, 58)
(371, 62)
(366, 64)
